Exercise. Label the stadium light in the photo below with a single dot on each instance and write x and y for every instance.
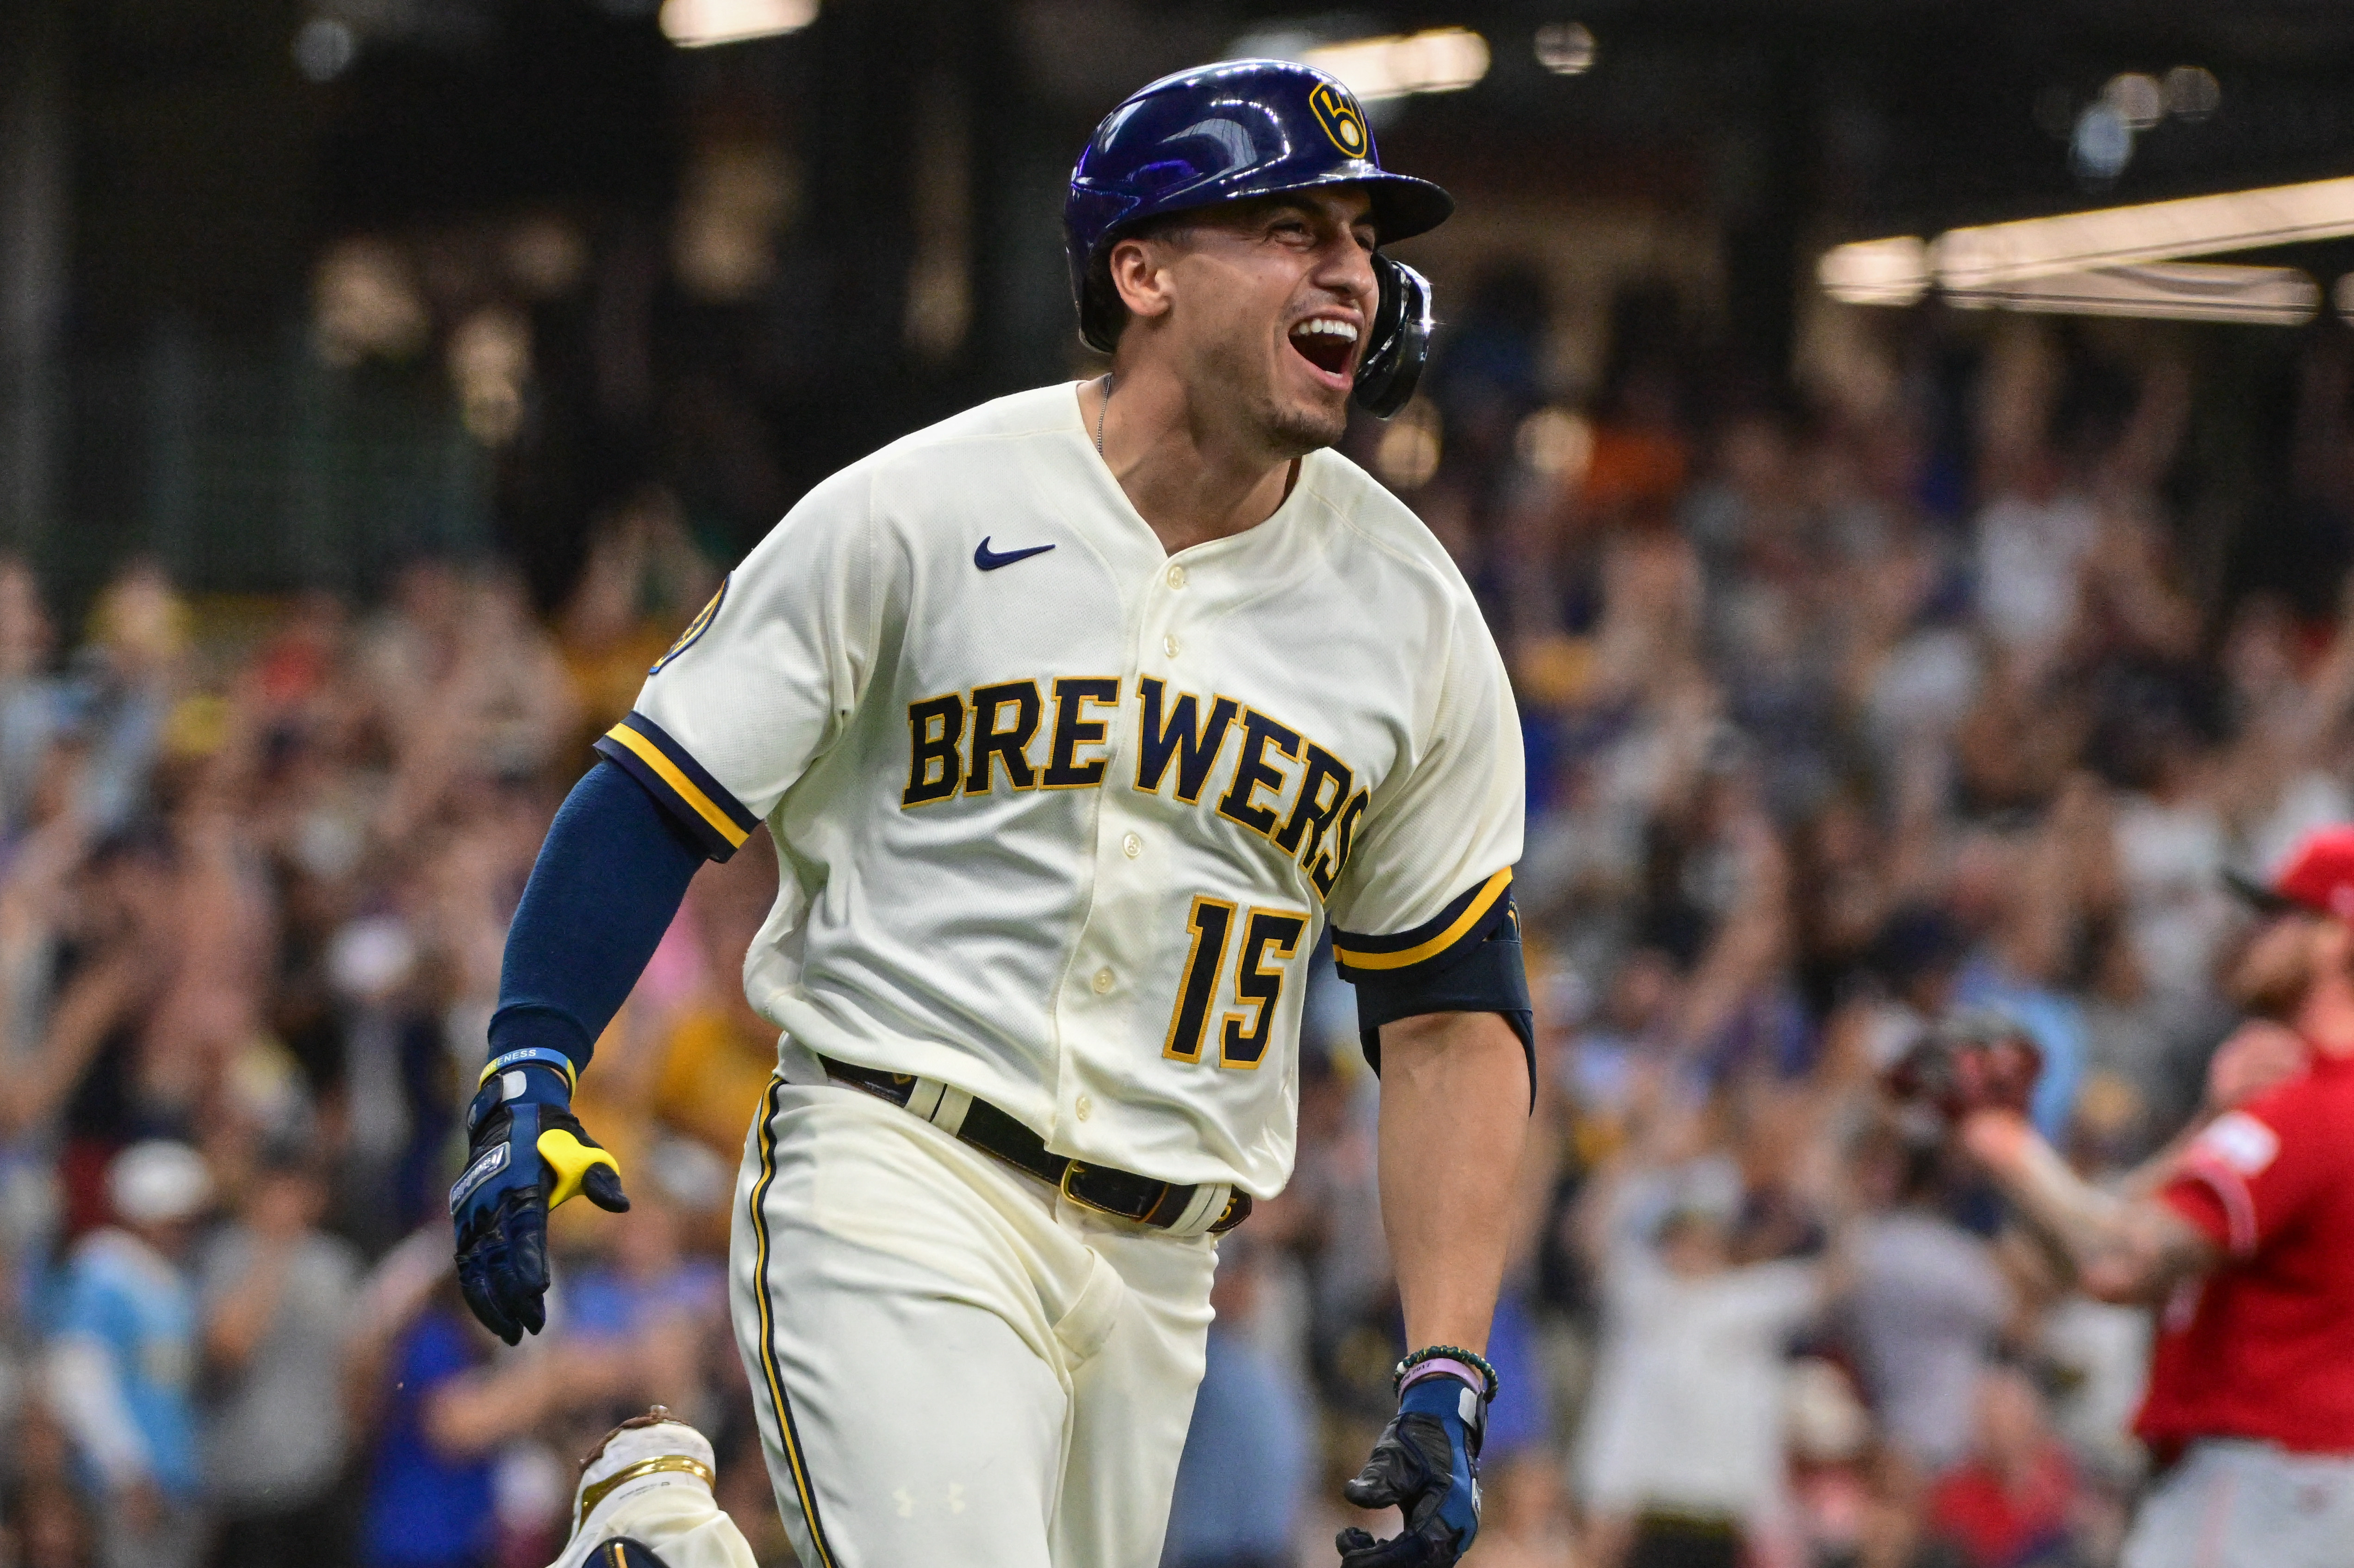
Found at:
(1444, 59)
(2116, 260)
(2174, 291)
(2138, 100)
(1876, 271)
(697, 23)
(2192, 92)
(2001, 253)
(1566, 48)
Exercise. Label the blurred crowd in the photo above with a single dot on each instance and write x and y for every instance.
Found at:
(1914, 699)
(1843, 715)
(256, 875)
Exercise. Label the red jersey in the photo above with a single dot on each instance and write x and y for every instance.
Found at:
(2264, 1347)
(1994, 1525)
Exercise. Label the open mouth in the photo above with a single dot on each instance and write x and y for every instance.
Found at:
(1326, 343)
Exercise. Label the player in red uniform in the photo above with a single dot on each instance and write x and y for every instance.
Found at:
(2244, 1241)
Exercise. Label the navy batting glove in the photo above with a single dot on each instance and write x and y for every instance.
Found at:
(1427, 1465)
(527, 1153)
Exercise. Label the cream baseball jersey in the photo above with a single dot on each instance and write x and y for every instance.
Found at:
(1061, 815)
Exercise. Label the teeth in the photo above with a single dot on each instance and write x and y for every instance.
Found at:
(1325, 326)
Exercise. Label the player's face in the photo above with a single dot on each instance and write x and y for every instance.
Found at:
(1270, 303)
(2275, 969)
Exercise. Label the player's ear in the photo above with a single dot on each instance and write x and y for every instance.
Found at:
(1139, 265)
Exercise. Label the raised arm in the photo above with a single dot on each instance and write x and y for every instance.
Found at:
(2124, 1249)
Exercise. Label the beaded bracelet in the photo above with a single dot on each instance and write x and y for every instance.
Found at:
(1470, 1358)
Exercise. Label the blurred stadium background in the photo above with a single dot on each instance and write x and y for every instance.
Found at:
(1901, 623)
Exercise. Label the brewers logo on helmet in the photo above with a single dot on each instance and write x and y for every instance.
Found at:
(1336, 113)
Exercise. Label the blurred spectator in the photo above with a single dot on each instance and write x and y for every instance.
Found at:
(122, 1358)
(429, 1491)
(1246, 1465)
(52, 1527)
(33, 710)
(439, 1413)
(643, 579)
(1682, 1460)
(1832, 1491)
(639, 1305)
(277, 1295)
(2010, 1504)
(1928, 1304)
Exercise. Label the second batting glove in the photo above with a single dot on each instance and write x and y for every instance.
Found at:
(1427, 1465)
(527, 1154)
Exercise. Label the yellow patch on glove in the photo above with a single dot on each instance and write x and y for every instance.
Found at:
(571, 1159)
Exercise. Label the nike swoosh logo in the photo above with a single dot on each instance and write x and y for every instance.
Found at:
(989, 560)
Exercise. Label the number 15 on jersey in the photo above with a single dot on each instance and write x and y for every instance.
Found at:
(1270, 938)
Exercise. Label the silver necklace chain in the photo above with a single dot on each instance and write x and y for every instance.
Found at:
(1101, 412)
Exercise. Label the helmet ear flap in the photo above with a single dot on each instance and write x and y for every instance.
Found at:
(1398, 343)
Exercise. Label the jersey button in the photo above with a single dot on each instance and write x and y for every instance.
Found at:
(1176, 577)
(1132, 846)
(1084, 1107)
(1169, 645)
(1102, 983)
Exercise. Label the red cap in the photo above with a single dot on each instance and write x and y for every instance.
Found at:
(2317, 876)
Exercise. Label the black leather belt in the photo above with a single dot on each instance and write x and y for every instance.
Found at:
(1103, 1187)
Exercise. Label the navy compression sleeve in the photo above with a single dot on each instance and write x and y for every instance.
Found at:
(608, 878)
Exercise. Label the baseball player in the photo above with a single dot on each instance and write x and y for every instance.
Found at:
(2245, 1242)
(1074, 720)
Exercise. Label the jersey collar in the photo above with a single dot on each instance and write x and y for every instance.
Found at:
(1283, 522)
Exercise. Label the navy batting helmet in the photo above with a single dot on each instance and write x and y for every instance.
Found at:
(1230, 131)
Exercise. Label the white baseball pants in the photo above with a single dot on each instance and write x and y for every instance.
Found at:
(2231, 1503)
(953, 1365)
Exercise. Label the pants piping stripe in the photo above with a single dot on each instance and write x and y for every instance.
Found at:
(802, 1487)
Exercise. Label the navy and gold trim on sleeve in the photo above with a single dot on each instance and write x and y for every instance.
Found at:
(1465, 959)
(1464, 922)
(717, 817)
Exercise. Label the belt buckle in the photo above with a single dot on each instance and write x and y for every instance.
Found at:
(1071, 1171)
